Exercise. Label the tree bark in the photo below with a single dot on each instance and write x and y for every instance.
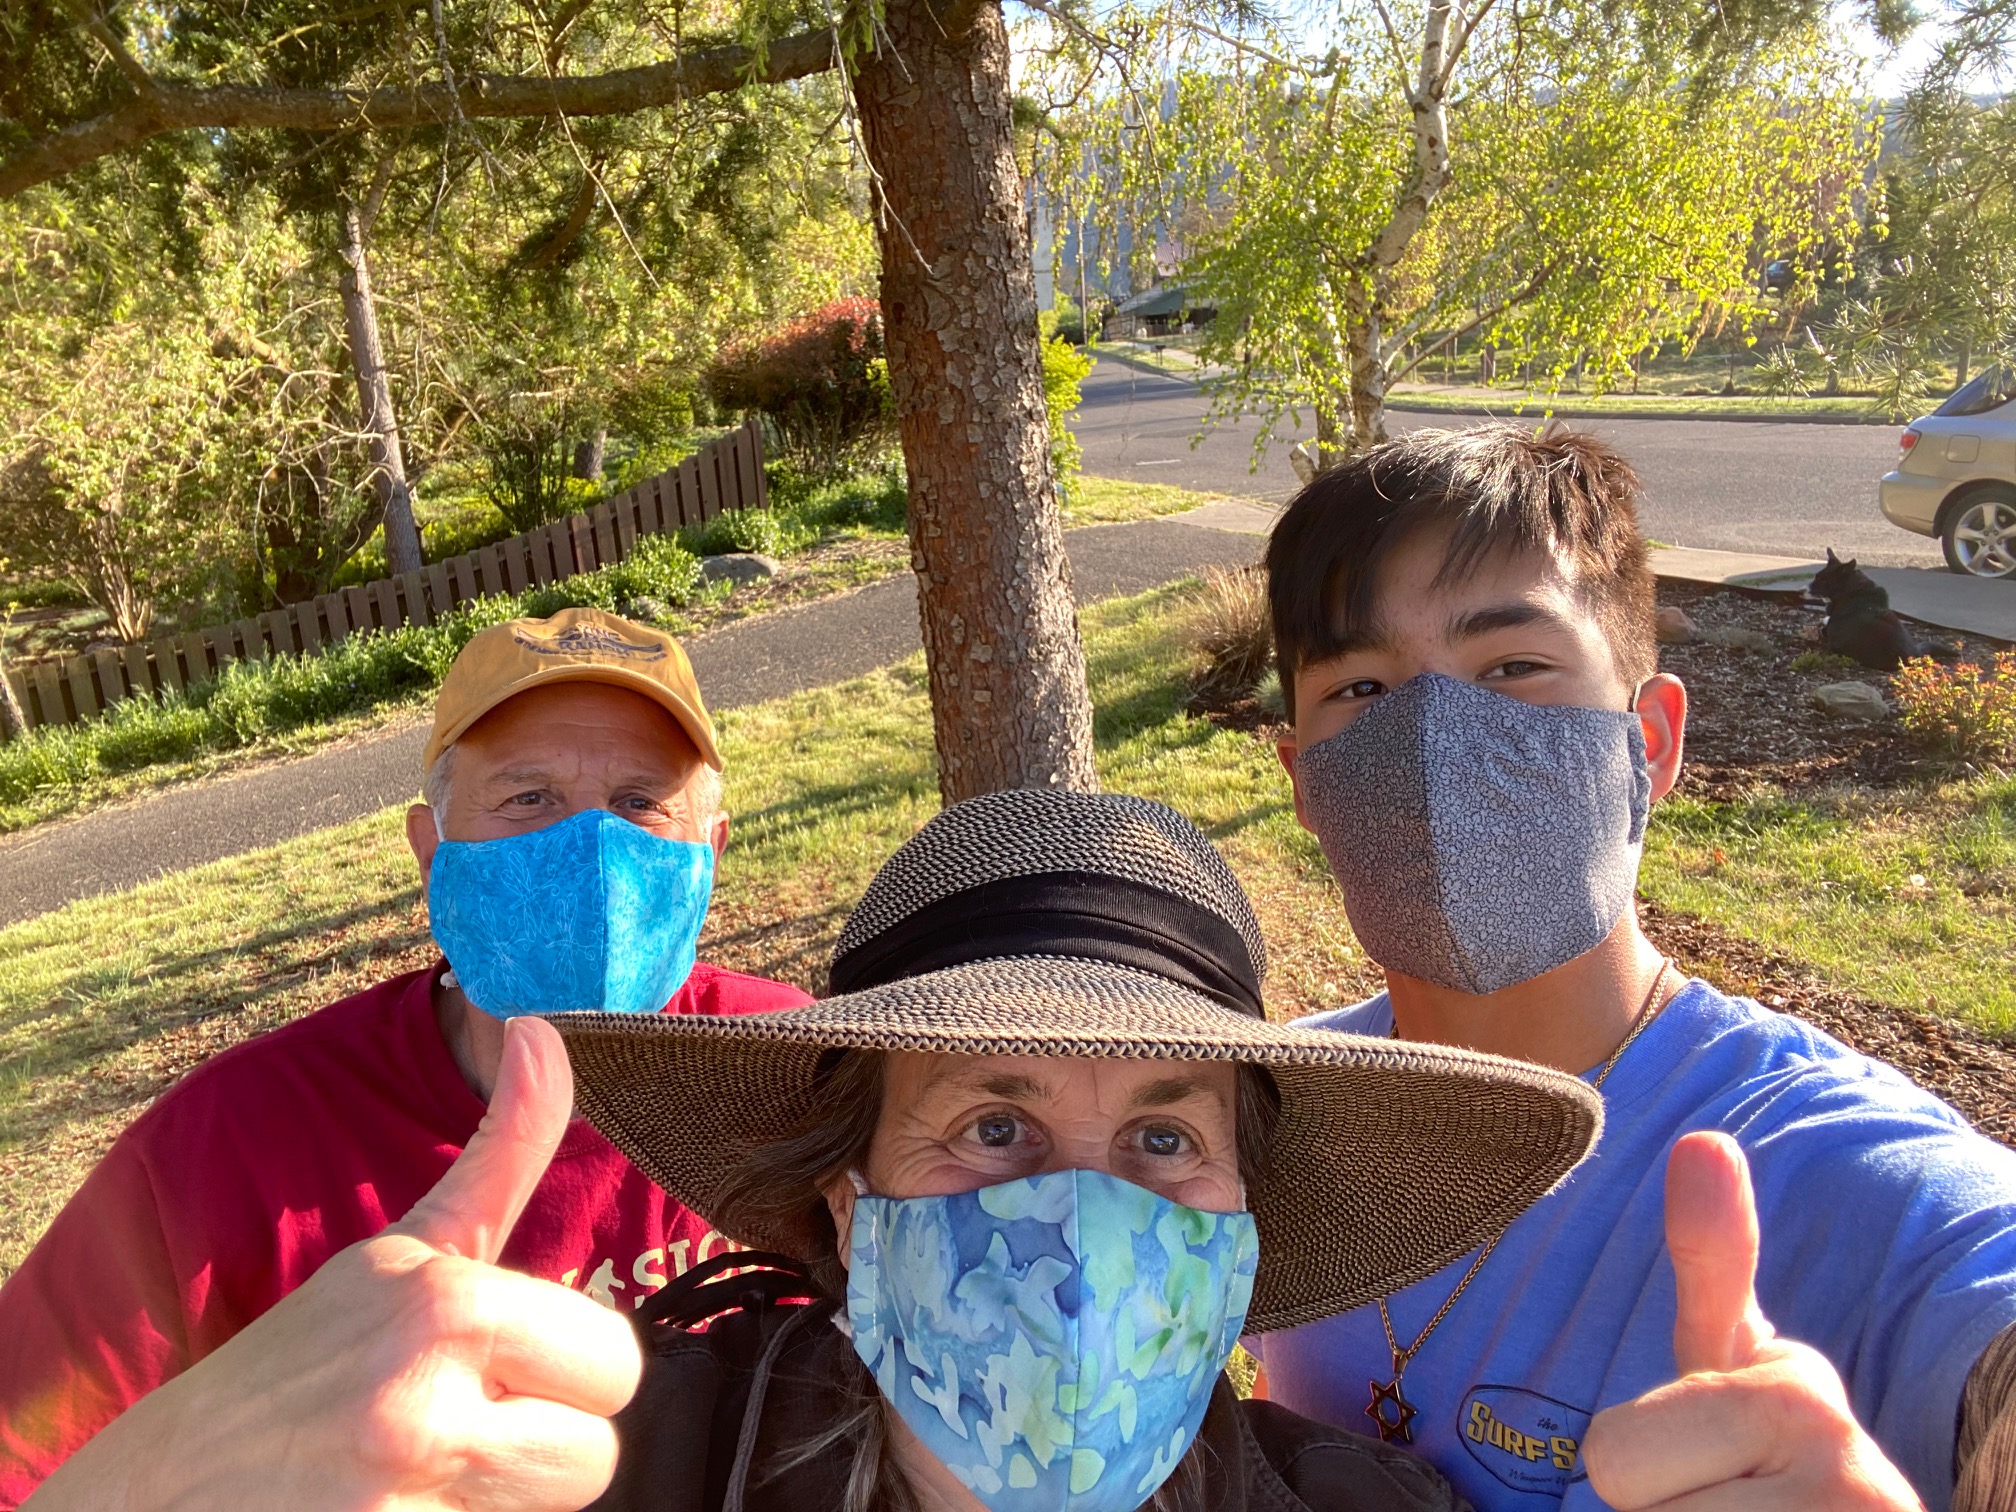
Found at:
(1368, 366)
(374, 400)
(589, 452)
(1007, 671)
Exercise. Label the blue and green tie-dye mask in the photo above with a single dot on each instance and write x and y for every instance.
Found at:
(591, 913)
(1054, 1341)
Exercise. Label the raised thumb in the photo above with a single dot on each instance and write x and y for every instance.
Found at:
(475, 1205)
(1711, 1234)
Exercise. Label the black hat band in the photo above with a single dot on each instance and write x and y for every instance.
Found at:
(1092, 916)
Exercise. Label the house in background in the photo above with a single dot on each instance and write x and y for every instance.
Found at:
(1164, 310)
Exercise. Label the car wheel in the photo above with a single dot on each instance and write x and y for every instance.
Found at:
(1980, 534)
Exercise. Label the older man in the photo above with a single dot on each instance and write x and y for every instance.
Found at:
(566, 851)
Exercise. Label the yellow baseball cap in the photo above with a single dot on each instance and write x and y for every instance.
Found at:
(575, 645)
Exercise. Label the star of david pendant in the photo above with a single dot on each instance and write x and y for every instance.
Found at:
(1392, 1412)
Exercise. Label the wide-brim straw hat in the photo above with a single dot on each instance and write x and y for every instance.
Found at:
(1055, 924)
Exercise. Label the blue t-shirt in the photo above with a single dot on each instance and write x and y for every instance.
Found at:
(1888, 1243)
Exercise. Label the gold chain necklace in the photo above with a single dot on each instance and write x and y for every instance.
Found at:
(1389, 1407)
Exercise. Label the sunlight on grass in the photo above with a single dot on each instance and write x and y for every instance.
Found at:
(1830, 879)
(1107, 501)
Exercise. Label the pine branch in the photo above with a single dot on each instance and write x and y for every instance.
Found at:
(165, 108)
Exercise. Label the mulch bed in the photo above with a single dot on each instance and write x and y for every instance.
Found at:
(1751, 717)
(1750, 722)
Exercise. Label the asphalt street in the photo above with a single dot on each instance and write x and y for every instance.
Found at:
(1781, 488)
(769, 656)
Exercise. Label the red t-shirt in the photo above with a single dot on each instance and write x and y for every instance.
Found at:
(258, 1166)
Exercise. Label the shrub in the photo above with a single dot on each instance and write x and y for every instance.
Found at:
(1234, 631)
(822, 382)
(1064, 368)
(763, 530)
(876, 501)
(1960, 710)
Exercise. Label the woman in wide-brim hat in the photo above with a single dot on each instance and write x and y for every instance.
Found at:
(1031, 1173)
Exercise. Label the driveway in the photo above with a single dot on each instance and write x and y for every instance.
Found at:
(1776, 487)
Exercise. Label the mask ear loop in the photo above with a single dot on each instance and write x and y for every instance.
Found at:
(840, 1320)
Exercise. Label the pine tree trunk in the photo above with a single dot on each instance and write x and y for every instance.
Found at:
(589, 453)
(1007, 671)
(374, 401)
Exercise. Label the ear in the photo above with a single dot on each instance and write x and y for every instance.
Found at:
(717, 834)
(1285, 751)
(1661, 707)
(839, 1195)
(1831, 558)
(423, 839)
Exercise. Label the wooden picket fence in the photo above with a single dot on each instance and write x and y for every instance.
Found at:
(725, 474)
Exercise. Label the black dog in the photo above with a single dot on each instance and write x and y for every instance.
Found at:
(1860, 622)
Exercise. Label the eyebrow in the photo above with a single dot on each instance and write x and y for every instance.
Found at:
(1472, 623)
(1170, 1090)
(514, 776)
(1016, 1087)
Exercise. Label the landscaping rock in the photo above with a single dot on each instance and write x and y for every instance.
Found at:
(1851, 700)
(1674, 628)
(739, 567)
(1740, 638)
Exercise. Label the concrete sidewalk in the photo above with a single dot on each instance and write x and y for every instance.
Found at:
(813, 645)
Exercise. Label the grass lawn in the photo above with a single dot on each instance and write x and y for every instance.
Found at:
(1908, 898)
(105, 1002)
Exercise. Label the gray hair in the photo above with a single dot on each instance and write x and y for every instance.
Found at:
(434, 789)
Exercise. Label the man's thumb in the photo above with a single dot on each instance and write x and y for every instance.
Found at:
(474, 1207)
(1711, 1233)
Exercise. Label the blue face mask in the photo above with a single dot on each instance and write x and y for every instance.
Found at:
(1054, 1341)
(590, 913)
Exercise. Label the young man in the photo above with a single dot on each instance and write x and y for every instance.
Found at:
(1464, 628)
(566, 851)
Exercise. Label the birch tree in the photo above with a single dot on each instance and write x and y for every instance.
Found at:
(1571, 186)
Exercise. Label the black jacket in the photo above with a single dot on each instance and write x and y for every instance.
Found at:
(684, 1433)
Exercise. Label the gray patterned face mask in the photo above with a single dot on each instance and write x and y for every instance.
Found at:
(1480, 841)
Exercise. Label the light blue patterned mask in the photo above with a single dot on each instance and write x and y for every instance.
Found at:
(591, 913)
(1054, 1341)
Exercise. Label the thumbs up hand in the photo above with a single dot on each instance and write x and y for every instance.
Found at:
(1754, 1421)
(409, 1372)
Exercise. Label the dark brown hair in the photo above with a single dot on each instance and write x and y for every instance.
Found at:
(1493, 488)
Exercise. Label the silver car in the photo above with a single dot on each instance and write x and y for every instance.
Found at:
(1957, 477)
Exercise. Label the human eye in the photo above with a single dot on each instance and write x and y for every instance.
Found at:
(531, 798)
(1357, 689)
(1513, 668)
(1163, 1141)
(1000, 1130)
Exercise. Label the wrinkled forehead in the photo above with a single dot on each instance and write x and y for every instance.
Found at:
(574, 723)
(1060, 1085)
